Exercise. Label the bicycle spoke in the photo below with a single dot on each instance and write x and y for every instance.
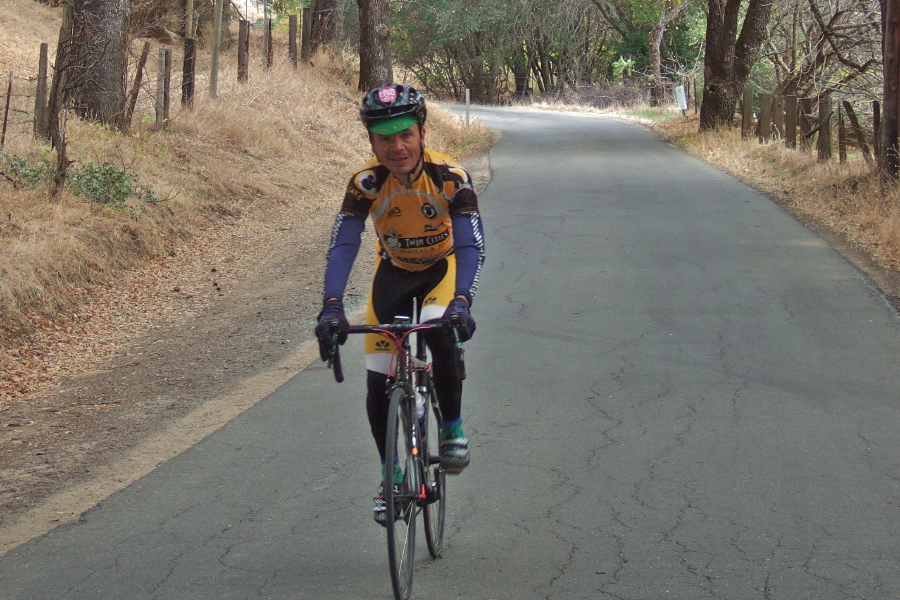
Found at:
(401, 504)
(435, 509)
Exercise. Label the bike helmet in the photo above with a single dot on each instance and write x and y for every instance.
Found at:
(387, 109)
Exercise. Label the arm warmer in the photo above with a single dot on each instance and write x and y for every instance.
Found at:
(468, 245)
(346, 237)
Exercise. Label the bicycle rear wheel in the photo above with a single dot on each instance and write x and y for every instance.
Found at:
(400, 498)
(435, 508)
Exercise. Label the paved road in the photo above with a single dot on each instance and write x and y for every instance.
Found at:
(676, 391)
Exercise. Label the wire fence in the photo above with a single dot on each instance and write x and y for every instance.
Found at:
(154, 80)
(797, 122)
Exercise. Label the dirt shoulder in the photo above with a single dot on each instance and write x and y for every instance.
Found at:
(200, 338)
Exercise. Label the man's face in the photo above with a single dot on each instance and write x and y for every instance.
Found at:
(400, 152)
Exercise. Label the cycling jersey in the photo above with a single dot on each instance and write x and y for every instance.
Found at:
(417, 226)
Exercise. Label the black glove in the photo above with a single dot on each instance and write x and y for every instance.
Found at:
(458, 315)
(331, 320)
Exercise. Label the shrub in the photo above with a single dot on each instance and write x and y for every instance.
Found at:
(107, 184)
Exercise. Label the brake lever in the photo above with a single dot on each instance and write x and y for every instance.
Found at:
(460, 361)
(334, 356)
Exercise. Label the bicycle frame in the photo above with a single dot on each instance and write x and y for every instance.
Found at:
(423, 485)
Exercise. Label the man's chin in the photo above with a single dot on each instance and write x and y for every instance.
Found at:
(400, 168)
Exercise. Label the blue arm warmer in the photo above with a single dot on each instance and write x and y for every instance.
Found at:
(468, 245)
(346, 237)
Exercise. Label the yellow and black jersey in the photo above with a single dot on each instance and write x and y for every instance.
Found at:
(414, 224)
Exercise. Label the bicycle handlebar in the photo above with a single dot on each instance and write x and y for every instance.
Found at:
(395, 330)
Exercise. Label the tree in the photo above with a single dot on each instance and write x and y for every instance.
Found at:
(328, 18)
(888, 159)
(99, 47)
(374, 44)
(819, 45)
(730, 54)
(657, 91)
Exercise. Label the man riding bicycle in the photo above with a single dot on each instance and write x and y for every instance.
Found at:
(430, 250)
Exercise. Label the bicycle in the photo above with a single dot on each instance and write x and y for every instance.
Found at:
(412, 437)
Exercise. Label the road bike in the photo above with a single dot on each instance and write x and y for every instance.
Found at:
(413, 439)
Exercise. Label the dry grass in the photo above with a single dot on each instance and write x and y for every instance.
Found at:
(848, 199)
(289, 137)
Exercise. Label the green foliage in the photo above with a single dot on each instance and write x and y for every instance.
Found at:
(685, 38)
(30, 172)
(288, 7)
(110, 186)
(107, 184)
(553, 46)
(624, 67)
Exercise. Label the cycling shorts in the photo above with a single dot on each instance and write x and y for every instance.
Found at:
(395, 292)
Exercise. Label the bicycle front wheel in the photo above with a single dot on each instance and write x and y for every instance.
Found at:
(400, 497)
(435, 508)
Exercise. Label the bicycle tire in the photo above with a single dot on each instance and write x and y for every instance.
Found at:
(401, 504)
(435, 510)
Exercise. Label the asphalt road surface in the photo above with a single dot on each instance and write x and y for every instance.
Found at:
(676, 391)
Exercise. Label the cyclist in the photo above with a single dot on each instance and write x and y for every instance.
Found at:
(430, 248)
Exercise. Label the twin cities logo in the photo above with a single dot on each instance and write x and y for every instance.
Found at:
(422, 242)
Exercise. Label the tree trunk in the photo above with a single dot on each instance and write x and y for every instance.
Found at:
(99, 60)
(658, 89)
(729, 56)
(328, 23)
(374, 44)
(888, 159)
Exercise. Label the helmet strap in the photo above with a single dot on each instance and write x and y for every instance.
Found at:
(416, 169)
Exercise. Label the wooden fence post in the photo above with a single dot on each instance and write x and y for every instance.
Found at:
(164, 76)
(747, 113)
(765, 117)
(269, 45)
(243, 69)
(778, 117)
(60, 63)
(216, 48)
(136, 88)
(876, 126)
(40, 97)
(842, 136)
(306, 38)
(806, 116)
(824, 145)
(696, 97)
(188, 72)
(167, 87)
(6, 110)
(292, 39)
(857, 130)
(790, 121)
